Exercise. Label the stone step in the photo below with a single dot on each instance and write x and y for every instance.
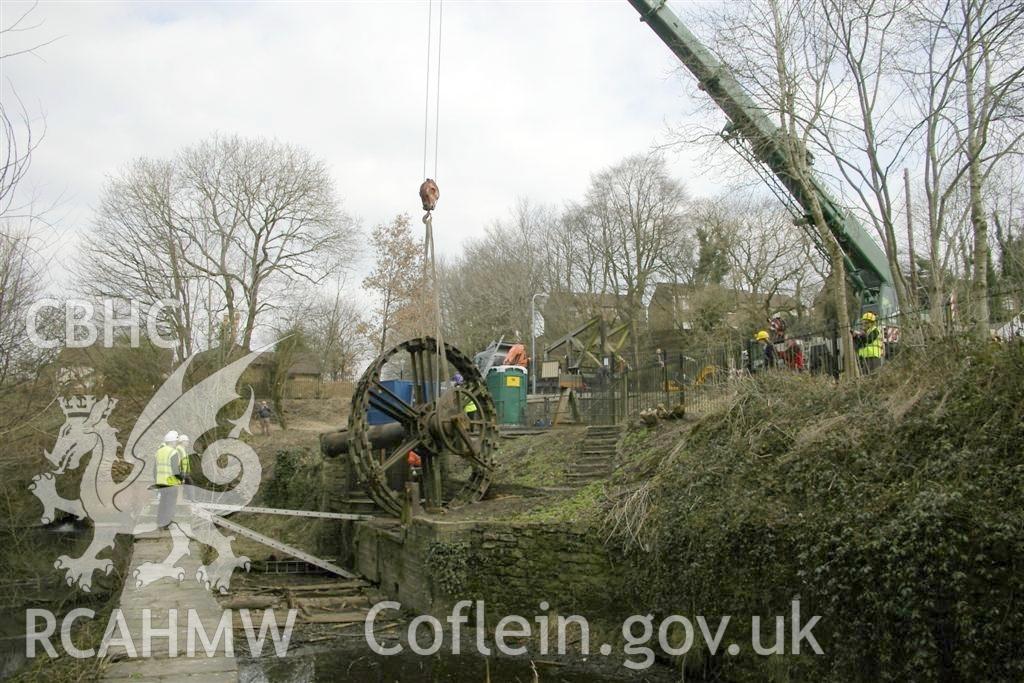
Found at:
(359, 506)
(599, 470)
(589, 467)
(583, 480)
(595, 455)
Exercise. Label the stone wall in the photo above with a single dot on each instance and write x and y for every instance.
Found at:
(511, 566)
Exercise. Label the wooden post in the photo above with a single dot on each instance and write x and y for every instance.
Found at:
(411, 506)
(432, 482)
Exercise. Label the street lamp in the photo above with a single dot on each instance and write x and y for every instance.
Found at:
(533, 339)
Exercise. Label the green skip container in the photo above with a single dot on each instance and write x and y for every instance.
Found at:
(507, 384)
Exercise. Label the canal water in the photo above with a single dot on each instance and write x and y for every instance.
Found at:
(348, 659)
(357, 665)
(66, 537)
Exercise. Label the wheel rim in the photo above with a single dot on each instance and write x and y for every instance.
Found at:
(434, 425)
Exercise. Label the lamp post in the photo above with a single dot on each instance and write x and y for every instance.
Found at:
(533, 340)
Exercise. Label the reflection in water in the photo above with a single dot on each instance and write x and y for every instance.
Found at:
(361, 665)
(67, 536)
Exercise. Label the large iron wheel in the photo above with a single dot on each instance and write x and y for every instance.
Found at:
(434, 423)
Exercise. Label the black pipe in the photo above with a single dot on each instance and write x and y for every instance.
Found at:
(333, 444)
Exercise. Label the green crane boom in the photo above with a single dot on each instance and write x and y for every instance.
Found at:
(866, 264)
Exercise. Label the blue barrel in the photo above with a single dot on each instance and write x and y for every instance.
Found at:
(399, 387)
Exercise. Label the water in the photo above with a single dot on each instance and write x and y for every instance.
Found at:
(63, 537)
(361, 665)
(344, 659)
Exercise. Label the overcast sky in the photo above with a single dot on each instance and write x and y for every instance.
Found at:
(535, 96)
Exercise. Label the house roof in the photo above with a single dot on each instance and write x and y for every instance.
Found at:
(778, 300)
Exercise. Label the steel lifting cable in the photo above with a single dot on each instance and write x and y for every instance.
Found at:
(426, 93)
(437, 88)
(441, 366)
(429, 260)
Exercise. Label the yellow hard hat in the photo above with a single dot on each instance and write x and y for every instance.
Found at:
(869, 317)
(761, 336)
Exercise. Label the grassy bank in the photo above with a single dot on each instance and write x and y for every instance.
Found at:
(892, 506)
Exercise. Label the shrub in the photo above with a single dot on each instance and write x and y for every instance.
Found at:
(892, 506)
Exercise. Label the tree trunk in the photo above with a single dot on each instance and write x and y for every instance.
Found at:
(981, 254)
(978, 222)
(838, 284)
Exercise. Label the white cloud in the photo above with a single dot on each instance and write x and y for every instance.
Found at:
(534, 96)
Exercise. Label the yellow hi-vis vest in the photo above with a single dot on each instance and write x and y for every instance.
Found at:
(184, 463)
(470, 406)
(875, 348)
(164, 472)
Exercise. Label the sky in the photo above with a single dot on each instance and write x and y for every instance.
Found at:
(534, 97)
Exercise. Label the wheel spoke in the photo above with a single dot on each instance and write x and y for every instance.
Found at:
(477, 423)
(394, 407)
(399, 453)
(473, 446)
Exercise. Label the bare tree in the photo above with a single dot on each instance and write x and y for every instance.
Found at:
(864, 133)
(752, 259)
(333, 324)
(396, 277)
(763, 248)
(1006, 192)
(224, 228)
(23, 272)
(771, 46)
(19, 141)
(968, 89)
(19, 136)
(133, 251)
(487, 291)
(27, 23)
(21, 284)
(637, 217)
(258, 218)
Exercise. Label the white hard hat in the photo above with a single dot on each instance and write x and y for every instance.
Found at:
(171, 436)
(183, 438)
